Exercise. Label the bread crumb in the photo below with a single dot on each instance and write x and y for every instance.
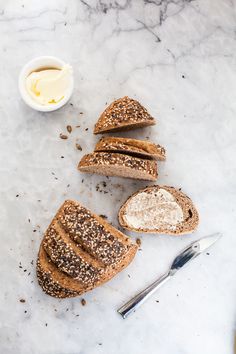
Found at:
(63, 136)
(83, 302)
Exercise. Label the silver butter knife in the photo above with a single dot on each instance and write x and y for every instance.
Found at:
(191, 252)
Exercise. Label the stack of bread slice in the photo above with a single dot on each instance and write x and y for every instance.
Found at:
(80, 251)
(123, 157)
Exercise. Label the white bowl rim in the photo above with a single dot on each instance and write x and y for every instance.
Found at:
(35, 64)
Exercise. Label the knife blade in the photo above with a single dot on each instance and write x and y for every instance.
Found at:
(186, 255)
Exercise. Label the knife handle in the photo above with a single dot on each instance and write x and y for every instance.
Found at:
(141, 297)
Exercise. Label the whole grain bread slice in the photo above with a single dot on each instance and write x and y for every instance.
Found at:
(133, 147)
(53, 281)
(159, 209)
(120, 165)
(70, 257)
(80, 251)
(123, 114)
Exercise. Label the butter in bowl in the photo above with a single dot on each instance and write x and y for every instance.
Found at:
(46, 83)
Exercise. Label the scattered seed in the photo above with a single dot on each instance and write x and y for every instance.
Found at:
(69, 128)
(78, 147)
(83, 302)
(138, 242)
(63, 136)
(22, 300)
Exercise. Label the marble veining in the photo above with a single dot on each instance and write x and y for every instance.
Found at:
(178, 58)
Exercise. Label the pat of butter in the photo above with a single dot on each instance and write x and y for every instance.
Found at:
(49, 86)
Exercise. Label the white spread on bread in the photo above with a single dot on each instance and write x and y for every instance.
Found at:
(155, 209)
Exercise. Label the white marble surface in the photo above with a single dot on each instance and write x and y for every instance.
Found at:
(178, 58)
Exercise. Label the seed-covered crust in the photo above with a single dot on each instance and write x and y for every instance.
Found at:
(71, 258)
(54, 282)
(88, 231)
(125, 165)
(123, 113)
(80, 251)
(133, 147)
(190, 214)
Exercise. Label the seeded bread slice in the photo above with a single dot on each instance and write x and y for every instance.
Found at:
(53, 281)
(123, 114)
(159, 209)
(132, 147)
(80, 251)
(120, 165)
(69, 257)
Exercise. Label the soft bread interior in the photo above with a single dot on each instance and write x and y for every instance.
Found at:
(118, 171)
(124, 126)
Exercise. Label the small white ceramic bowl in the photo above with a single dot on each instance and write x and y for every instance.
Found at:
(36, 64)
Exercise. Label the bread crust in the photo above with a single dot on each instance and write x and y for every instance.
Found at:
(133, 147)
(123, 114)
(190, 214)
(120, 165)
(70, 266)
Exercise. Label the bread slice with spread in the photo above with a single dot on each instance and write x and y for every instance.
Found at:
(133, 147)
(123, 114)
(120, 165)
(159, 209)
(80, 251)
